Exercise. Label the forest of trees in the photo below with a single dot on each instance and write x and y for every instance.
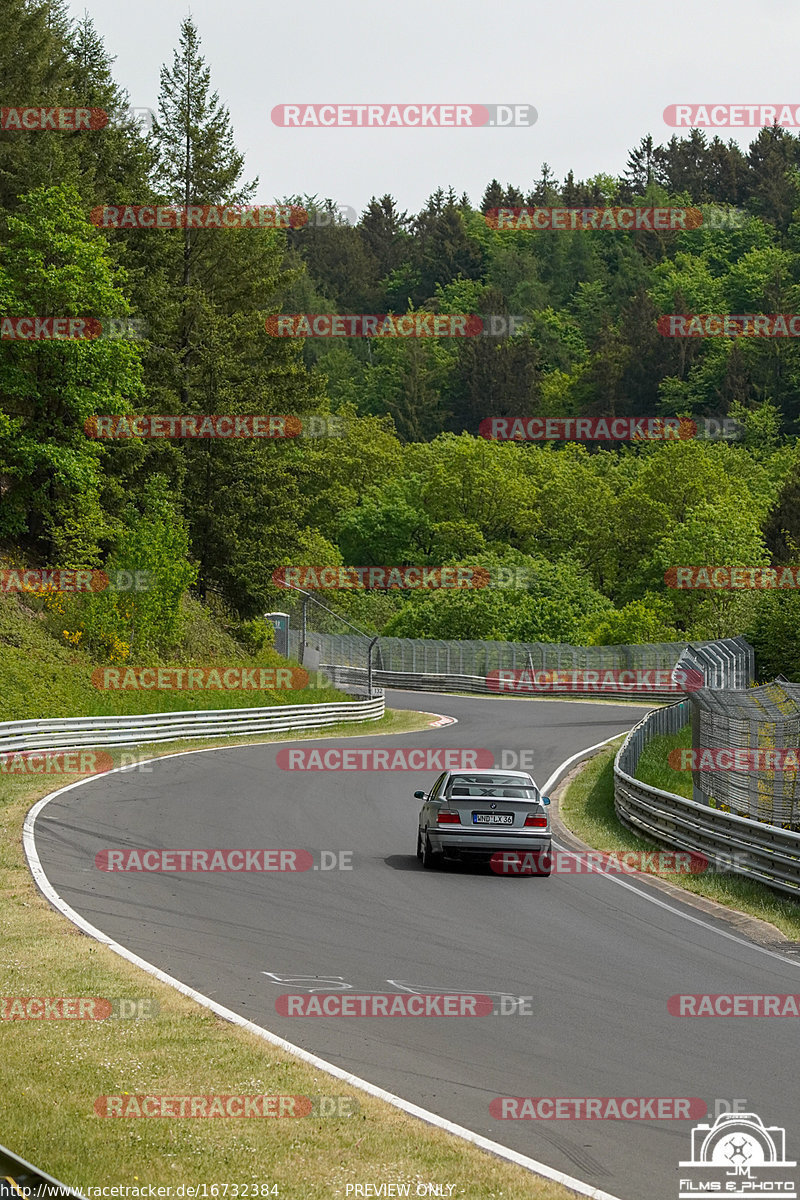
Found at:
(595, 527)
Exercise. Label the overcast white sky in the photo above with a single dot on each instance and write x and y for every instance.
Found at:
(599, 74)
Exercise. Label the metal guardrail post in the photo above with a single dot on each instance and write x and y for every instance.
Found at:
(372, 644)
(303, 626)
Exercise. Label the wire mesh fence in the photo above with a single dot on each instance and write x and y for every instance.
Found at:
(319, 636)
(763, 721)
(726, 713)
(727, 663)
(316, 639)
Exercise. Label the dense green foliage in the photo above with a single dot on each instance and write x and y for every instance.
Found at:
(45, 677)
(587, 532)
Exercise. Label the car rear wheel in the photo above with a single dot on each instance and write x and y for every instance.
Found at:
(428, 859)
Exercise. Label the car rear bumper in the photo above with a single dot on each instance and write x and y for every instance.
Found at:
(461, 843)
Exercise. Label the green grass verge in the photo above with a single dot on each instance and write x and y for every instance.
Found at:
(587, 808)
(654, 769)
(53, 1071)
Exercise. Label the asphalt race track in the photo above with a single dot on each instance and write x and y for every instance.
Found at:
(599, 959)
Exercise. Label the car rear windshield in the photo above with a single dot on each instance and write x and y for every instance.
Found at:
(501, 787)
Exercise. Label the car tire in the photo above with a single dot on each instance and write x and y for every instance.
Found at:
(429, 860)
(419, 844)
(548, 858)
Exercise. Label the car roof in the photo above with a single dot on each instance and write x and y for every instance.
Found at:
(493, 773)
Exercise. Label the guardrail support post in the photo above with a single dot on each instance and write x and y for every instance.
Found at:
(304, 603)
(369, 667)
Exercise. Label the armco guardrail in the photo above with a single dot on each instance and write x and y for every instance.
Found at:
(18, 1177)
(357, 676)
(74, 732)
(746, 847)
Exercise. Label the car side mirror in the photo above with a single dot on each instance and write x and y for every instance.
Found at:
(545, 799)
(421, 796)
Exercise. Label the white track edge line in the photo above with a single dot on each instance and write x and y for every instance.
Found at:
(649, 894)
(414, 1110)
(563, 768)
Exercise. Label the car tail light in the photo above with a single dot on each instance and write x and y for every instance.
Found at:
(448, 818)
(536, 822)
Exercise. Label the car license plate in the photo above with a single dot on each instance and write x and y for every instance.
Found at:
(479, 818)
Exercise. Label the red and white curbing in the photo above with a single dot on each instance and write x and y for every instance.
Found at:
(440, 721)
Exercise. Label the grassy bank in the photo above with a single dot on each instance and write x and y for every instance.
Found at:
(654, 769)
(44, 676)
